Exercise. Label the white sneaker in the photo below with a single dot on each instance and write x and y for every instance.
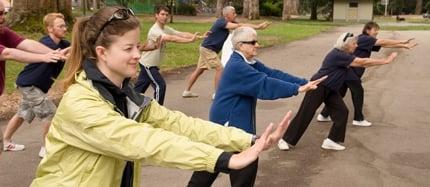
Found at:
(42, 152)
(13, 147)
(188, 94)
(321, 118)
(363, 123)
(331, 145)
(283, 145)
(213, 96)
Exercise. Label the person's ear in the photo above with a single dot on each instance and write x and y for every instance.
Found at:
(50, 29)
(101, 53)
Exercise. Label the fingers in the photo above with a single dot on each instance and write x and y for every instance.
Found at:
(316, 82)
(283, 126)
(266, 132)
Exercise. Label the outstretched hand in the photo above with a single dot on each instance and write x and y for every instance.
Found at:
(391, 57)
(205, 35)
(408, 41)
(312, 85)
(410, 45)
(268, 139)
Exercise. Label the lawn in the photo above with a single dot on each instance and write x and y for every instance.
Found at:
(182, 55)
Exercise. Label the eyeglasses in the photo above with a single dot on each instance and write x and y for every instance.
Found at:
(347, 36)
(3, 13)
(253, 42)
(120, 14)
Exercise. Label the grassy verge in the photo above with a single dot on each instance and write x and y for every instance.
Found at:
(181, 55)
(406, 28)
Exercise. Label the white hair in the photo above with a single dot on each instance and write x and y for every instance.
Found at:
(227, 9)
(242, 34)
(344, 39)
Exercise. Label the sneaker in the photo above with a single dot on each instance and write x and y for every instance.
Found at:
(42, 152)
(283, 145)
(363, 123)
(187, 94)
(13, 147)
(321, 118)
(331, 145)
(213, 96)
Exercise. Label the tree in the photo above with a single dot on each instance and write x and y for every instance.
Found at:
(219, 6)
(419, 7)
(251, 9)
(245, 11)
(28, 14)
(290, 7)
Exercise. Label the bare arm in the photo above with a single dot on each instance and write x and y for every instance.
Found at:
(28, 57)
(231, 25)
(390, 42)
(405, 46)
(368, 62)
(33, 46)
(179, 39)
(185, 34)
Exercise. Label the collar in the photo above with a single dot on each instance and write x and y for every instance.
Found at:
(105, 86)
(251, 62)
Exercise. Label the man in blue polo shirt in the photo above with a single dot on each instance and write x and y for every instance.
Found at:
(367, 42)
(34, 82)
(212, 45)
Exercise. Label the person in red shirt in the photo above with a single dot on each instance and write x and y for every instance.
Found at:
(15, 47)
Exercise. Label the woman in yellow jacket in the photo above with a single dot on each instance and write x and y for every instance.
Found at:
(103, 130)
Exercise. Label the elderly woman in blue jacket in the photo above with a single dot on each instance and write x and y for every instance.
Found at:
(246, 79)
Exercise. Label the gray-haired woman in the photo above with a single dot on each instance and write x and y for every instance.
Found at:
(336, 65)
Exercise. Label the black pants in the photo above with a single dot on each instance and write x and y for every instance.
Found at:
(238, 178)
(357, 94)
(313, 99)
(151, 76)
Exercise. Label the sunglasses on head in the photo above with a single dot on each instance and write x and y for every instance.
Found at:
(120, 14)
(347, 36)
(253, 42)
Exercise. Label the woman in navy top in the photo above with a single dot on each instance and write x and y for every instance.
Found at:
(336, 65)
(367, 43)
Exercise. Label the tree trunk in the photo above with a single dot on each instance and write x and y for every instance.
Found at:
(287, 9)
(245, 11)
(295, 7)
(219, 7)
(419, 7)
(314, 10)
(254, 10)
(28, 14)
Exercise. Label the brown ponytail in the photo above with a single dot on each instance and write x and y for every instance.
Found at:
(74, 63)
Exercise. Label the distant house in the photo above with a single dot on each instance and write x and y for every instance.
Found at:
(353, 10)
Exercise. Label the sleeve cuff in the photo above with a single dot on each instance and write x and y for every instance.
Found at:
(222, 162)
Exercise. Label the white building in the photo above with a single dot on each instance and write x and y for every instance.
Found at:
(353, 10)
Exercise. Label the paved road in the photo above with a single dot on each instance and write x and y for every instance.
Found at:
(393, 152)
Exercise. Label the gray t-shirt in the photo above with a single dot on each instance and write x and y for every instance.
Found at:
(154, 57)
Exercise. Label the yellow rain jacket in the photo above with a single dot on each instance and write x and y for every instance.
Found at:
(89, 142)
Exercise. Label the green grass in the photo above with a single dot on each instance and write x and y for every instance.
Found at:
(406, 28)
(182, 55)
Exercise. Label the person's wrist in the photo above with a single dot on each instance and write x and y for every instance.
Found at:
(254, 139)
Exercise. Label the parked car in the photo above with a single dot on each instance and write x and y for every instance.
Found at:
(426, 15)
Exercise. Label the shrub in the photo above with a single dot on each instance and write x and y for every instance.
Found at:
(268, 8)
(186, 9)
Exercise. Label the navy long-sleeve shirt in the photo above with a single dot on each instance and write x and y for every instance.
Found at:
(242, 84)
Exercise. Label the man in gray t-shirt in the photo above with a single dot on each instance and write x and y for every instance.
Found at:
(150, 60)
